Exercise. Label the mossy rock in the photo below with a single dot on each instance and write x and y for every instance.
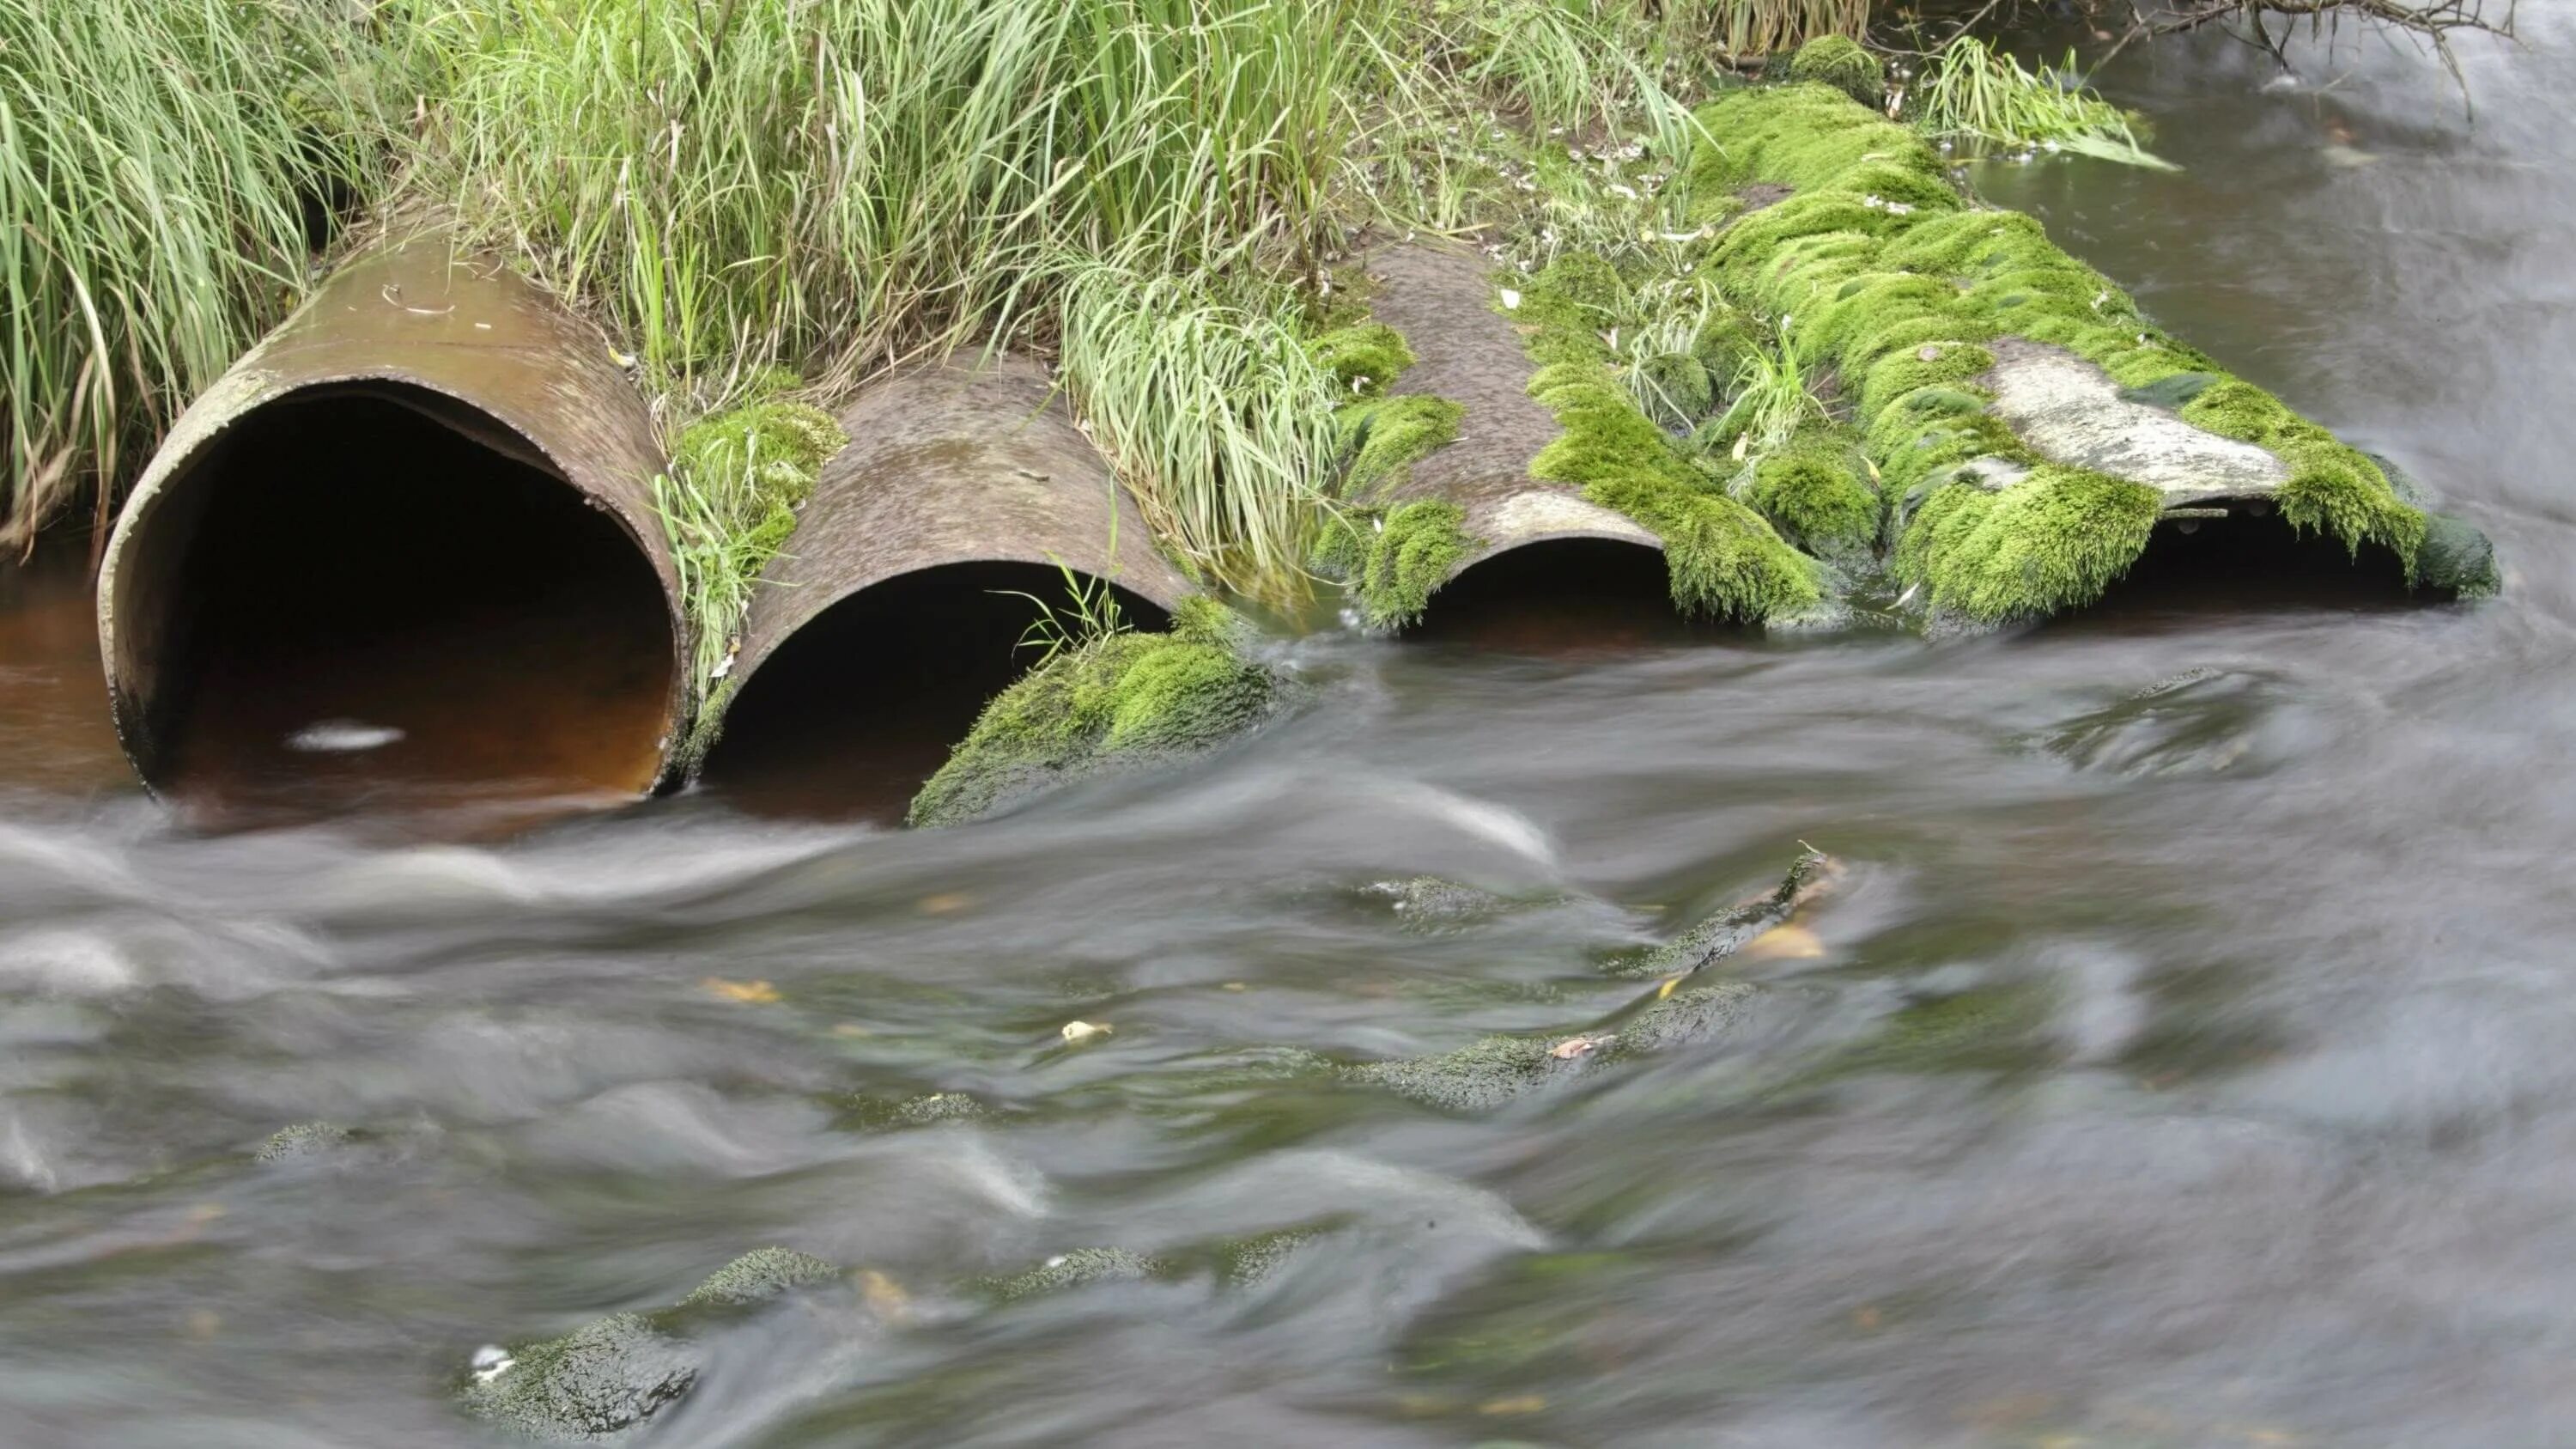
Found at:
(1723, 933)
(1477, 1078)
(599, 1380)
(2456, 556)
(2050, 542)
(760, 1275)
(1382, 437)
(304, 1141)
(1080, 1268)
(1430, 902)
(612, 1374)
(1842, 63)
(875, 1114)
(1123, 700)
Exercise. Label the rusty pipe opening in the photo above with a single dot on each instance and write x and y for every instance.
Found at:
(370, 591)
(1578, 592)
(851, 713)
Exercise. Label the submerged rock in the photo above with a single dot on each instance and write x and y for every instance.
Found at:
(1430, 902)
(877, 1114)
(598, 1380)
(1076, 1269)
(760, 1275)
(304, 1140)
(1727, 932)
(610, 1375)
(1120, 701)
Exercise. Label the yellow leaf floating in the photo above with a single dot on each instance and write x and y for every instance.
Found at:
(1785, 943)
(744, 991)
(1516, 1404)
(885, 1295)
(1669, 983)
(947, 903)
(1078, 1032)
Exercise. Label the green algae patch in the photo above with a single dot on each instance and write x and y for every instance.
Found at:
(1722, 558)
(304, 1140)
(2049, 542)
(1117, 700)
(1410, 555)
(1841, 62)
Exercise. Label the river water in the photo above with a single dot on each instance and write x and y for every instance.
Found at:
(2280, 1148)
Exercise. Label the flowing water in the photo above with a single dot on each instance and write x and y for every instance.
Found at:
(2255, 1122)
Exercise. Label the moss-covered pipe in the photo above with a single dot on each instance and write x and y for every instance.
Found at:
(415, 521)
(1473, 496)
(965, 498)
(2031, 426)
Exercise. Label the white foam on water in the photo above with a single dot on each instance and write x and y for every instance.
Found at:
(342, 737)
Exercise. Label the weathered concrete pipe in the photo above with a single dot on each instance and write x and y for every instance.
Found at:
(1441, 300)
(409, 538)
(898, 608)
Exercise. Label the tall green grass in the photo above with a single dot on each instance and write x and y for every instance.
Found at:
(158, 159)
(1972, 91)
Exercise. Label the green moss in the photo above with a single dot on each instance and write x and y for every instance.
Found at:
(1415, 547)
(1383, 437)
(1119, 699)
(1475, 1078)
(764, 457)
(1722, 558)
(1903, 297)
(304, 1139)
(1840, 62)
(1362, 358)
(2052, 541)
(1817, 491)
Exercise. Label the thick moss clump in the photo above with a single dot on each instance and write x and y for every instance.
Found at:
(1723, 559)
(1384, 436)
(1362, 358)
(1903, 288)
(2052, 541)
(758, 462)
(1840, 62)
(1410, 555)
(1815, 491)
(1121, 699)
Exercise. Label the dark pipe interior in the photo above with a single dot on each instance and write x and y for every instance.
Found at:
(2196, 568)
(358, 564)
(863, 703)
(1556, 595)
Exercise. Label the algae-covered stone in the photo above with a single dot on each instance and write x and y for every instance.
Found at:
(1122, 700)
(612, 1374)
(760, 1275)
(926, 1109)
(1430, 902)
(1724, 933)
(598, 1380)
(1079, 1268)
(304, 1140)
(1251, 1262)
(1475, 1078)
(2456, 556)
(1840, 62)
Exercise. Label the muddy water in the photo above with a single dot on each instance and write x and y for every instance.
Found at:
(2281, 1151)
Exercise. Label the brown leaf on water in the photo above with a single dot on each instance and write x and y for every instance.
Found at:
(885, 1295)
(1784, 943)
(743, 991)
(946, 903)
